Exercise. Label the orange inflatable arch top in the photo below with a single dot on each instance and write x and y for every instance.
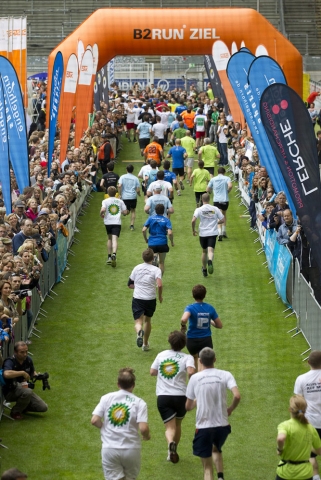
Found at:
(172, 31)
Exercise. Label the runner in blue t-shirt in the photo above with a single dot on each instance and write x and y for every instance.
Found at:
(178, 153)
(170, 176)
(144, 130)
(200, 316)
(159, 227)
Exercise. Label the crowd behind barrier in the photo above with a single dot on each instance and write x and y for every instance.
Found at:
(290, 284)
(51, 274)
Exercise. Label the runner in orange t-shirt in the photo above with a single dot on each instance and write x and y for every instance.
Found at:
(154, 151)
(188, 117)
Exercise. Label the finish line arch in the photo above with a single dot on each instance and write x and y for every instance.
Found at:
(172, 32)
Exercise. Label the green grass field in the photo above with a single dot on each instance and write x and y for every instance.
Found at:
(88, 335)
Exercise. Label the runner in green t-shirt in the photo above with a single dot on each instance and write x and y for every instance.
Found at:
(200, 178)
(295, 441)
(208, 153)
(180, 132)
(188, 143)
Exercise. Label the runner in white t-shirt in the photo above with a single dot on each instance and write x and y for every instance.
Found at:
(166, 187)
(200, 122)
(210, 217)
(143, 172)
(112, 209)
(159, 131)
(120, 416)
(172, 368)
(130, 121)
(221, 186)
(144, 279)
(309, 386)
(207, 391)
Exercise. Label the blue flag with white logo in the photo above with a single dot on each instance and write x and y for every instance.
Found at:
(4, 155)
(16, 123)
(238, 68)
(265, 71)
(56, 82)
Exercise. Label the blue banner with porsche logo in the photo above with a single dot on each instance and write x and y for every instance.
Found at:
(290, 131)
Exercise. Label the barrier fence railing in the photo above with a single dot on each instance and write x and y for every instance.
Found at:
(51, 274)
(290, 284)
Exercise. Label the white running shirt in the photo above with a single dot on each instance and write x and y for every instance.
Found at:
(122, 411)
(144, 277)
(172, 372)
(208, 388)
(208, 216)
(309, 386)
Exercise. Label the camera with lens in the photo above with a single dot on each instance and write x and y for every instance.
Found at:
(43, 377)
(35, 273)
(22, 293)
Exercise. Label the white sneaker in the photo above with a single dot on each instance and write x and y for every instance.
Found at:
(145, 348)
(179, 193)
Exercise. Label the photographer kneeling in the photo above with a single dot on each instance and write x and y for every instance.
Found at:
(17, 371)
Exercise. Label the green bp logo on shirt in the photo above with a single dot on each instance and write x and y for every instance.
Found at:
(169, 368)
(118, 414)
(113, 209)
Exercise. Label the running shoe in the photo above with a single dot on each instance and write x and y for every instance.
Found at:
(179, 193)
(220, 238)
(139, 339)
(181, 185)
(135, 141)
(204, 271)
(113, 260)
(173, 455)
(129, 140)
(132, 227)
(108, 262)
(224, 235)
(210, 267)
(146, 348)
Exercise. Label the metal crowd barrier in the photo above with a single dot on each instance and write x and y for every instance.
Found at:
(48, 277)
(299, 293)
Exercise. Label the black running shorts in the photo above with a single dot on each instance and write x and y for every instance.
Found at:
(195, 345)
(171, 406)
(221, 205)
(208, 242)
(143, 307)
(113, 229)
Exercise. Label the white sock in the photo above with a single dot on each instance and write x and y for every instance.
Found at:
(224, 228)
(316, 477)
(220, 230)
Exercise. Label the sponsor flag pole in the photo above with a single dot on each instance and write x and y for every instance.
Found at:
(237, 70)
(290, 131)
(16, 123)
(4, 157)
(66, 106)
(56, 83)
(214, 79)
(84, 94)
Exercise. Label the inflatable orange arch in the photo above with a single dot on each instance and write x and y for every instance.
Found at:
(173, 31)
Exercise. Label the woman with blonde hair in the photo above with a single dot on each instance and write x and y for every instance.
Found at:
(32, 210)
(295, 440)
(12, 220)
